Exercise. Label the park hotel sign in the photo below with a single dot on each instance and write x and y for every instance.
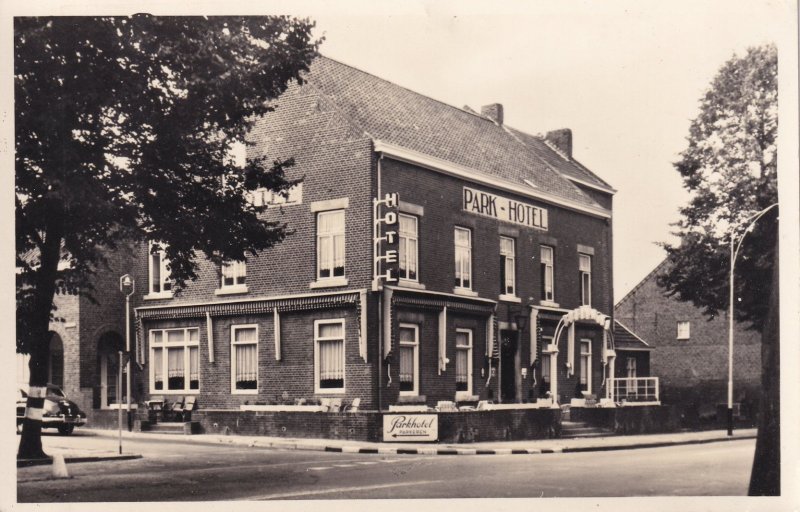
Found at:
(503, 208)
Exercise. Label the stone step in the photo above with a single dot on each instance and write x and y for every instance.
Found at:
(167, 428)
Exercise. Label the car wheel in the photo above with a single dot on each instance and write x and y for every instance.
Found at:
(66, 430)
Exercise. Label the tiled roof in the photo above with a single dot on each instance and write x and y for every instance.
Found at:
(625, 339)
(387, 112)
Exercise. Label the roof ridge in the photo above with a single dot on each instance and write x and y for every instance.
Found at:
(412, 91)
(511, 129)
(641, 283)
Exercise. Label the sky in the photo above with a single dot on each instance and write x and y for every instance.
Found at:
(626, 77)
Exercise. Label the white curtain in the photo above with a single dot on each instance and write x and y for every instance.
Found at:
(406, 364)
(461, 365)
(330, 240)
(175, 362)
(246, 362)
(158, 368)
(331, 359)
(194, 364)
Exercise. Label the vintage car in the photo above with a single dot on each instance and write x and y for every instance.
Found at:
(59, 412)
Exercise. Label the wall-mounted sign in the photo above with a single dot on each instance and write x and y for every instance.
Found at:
(384, 262)
(503, 208)
(409, 428)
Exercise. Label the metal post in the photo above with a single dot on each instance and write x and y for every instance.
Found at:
(128, 363)
(730, 343)
(119, 406)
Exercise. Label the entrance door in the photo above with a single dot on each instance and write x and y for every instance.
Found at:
(508, 352)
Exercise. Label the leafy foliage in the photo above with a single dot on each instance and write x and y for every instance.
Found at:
(124, 132)
(730, 170)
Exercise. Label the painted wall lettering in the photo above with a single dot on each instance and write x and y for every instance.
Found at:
(503, 208)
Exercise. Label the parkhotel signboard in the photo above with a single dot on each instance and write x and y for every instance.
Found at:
(406, 428)
(503, 208)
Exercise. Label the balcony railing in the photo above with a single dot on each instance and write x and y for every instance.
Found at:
(633, 390)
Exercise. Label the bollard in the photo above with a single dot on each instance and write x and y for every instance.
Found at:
(59, 467)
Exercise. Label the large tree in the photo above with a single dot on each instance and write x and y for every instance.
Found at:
(730, 170)
(124, 131)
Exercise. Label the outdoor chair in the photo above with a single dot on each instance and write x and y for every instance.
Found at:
(184, 412)
(353, 407)
(336, 405)
(326, 404)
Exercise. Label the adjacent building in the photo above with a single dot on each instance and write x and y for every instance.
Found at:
(690, 350)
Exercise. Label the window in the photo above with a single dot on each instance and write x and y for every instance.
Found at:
(630, 367)
(174, 360)
(266, 197)
(234, 274)
(160, 282)
(330, 244)
(329, 355)
(408, 247)
(507, 266)
(244, 359)
(463, 239)
(548, 293)
(683, 330)
(546, 340)
(585, 272)
(409, 359)
(586, 365)
(463, 361)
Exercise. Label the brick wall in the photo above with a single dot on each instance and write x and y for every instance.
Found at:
(441, 197)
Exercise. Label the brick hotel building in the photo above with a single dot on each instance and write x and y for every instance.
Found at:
(433, 252)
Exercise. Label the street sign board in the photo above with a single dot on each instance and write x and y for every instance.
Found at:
(410, 428)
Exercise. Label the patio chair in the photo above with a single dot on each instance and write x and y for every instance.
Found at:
(326, 404)
(184, 413)
(336, 405)
(353, 407)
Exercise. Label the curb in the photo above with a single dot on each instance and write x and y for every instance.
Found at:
(24, 463)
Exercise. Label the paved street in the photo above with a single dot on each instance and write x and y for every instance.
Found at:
(181, 471)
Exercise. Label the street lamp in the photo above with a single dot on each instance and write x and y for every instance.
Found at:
(735, 252)
(127, 285)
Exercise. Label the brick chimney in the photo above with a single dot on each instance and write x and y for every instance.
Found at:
(561, 139)
(493, 112)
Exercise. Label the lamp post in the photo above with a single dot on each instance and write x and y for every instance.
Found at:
(734, 253)
(127, 285)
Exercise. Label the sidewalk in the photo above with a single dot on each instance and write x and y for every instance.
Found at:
(542, 446)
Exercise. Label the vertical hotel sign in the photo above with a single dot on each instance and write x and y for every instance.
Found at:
(503, 208)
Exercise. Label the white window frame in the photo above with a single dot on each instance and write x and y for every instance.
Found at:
(630, 367)
(549, 270)
(468, 348)
(163, 272)
(684, 329)
(586, 362)
(235, 344)
(269, 198)
(238, 269)
(332, 236)
(409, 236)
(164, 346)
(317, 339)
(509, 256)
(459, 270)
(585, 273)
(415, 346)
(545, 364)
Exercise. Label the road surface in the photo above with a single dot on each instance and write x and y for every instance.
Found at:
(184, 471)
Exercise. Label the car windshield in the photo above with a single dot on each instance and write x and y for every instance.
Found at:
(54, 391)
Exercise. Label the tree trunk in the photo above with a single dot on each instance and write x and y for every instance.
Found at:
(765, 478)
(30, 445)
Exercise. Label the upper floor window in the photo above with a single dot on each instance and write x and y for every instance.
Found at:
(175, 361)
(507, 266)
(266, 197)
(408, 247)
(160, 281)
(330, 244)
(329, 355)
(683, 330)
(234, 274)
(463, 245)
(585, 274)
(548, 292)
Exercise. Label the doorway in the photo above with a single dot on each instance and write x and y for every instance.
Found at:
(108, 352)
(508, 373)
